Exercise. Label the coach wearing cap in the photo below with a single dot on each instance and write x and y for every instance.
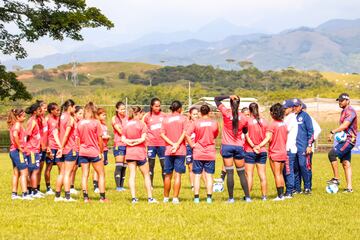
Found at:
(342, 150)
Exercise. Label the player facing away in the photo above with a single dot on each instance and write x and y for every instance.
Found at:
(276, 135)
(232, 151)
(16, 118)
(257, 127)
(118, 122)
(89, 133)
(193, 116)
(342, 150)
(42, 121)
(155, 143)
(173, 132)
(134, 136)
(204, 153)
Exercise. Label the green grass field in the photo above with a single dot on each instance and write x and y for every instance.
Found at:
(319, 216)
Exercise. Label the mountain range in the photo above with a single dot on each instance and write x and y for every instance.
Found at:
(331, 46)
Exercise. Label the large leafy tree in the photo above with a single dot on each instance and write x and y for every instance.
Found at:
(57, 19)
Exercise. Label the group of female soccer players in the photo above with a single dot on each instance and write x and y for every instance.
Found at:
(71, 136)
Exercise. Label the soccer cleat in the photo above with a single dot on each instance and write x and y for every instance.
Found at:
(59, 199)
(96, 190)
(27, 197)
(104, 200)
(120, 189)
(73, 191)
(166, 200)
(264, 198)
(196, 200)
(333, 181)
(15, 197)
(50, 192)
(279, 198)
(248, 199)
(230, 200)
(134, 200)
(347, 190)
(209, 200)
(41, 193)
(307, 191)
(288, 196)
(37, 195)
(175, 201)
(152, 200)
(69, 200)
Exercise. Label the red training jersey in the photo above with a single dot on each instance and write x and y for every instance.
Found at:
(121, 122)
(105, 134)
(89, 131)
(33, 135)
(277, 147)
(134, 129)
(173, 126)
(52, 123)
(20, 133)
(67, 121)
(154, 122)
(256, 132)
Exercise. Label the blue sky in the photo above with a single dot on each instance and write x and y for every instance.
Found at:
(134, 18)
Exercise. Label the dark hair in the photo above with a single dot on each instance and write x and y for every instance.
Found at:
(134, 111)
(235, 114)
(277, 112)
(100, 111)
(51, 107)
(152, 103)
(65, 106)
(30, 110)
(175, 105)
(244, 109)
(190, 111)
(90, 108)
(78, 108)
(204, 109)
(254, 110)
(13, 114)
(118, 104)
(40, 102)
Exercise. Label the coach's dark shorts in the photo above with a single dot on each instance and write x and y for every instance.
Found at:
(343, 151)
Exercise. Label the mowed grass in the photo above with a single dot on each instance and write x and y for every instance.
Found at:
(319, 216)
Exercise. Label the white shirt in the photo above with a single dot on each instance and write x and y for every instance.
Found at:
(317, 131)
(292, 126)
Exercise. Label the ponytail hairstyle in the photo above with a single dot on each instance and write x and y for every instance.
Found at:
(30, 110)
(152, 103)
(13, 115)
(204, 109)
(175, 106)
(65, 106)
(235, 114)
(134, 111)
(90, 111)
(78, 108)
(117, 105)
(254, 110)
(277, 112)
(51, 107)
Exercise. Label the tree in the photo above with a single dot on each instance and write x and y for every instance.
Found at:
(37, 68)
(246, 64)
(98, 81)
(10, 87)
(122, 75)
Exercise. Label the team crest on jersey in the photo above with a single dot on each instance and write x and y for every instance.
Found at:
(300, 119)
(62, 117)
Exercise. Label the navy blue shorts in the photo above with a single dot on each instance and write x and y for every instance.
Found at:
(138, 162)
(152, 151)
(254, 158)
(231, 151)
(176, 163)
(43, 156)
(54, 160)
(200, 165)
(119, 151)
(189, 155)
(343, 151)
(33, 161)
(106, 161)
(70, 157)
(84, 159)
(18, 161)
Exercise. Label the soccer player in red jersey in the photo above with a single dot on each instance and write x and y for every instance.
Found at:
(15, 119)
(155, 144)
(232, 151)
(91, 150)
(193, 116)
(42, 121)
(134, 136)
(173, 132)
(33, 145)
(277, 136)
(204, 153)
(257, 127)
(118, 122)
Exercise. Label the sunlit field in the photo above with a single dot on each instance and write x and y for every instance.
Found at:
(319, 216)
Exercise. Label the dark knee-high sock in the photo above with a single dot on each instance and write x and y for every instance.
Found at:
(162, 163)
(243, 181)
(122, 176)
(117, 173)
(230, 182)
(223, 175)
(280, 191)
(151, 168)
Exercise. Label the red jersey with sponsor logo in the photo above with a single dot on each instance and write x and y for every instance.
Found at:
(42, 121)
(67, 121)
(52, 123)
(256, 132)
(33, 135)
(89, 131)
(173, 126)
(134, 129)
(154, 122)
(121, 122)
(277, 147)
(21, 135)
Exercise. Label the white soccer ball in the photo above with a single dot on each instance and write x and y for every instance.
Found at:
(332, 188)
(218, 187)
(340, 136)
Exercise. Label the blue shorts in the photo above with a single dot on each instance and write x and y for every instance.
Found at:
(18, 161)
(176, 163)
(200, 165)
(70, 157)
(43, 156)
(138, 162)
(231, 151)
(119, 151)
(189, 155)
(106, 161)
(343, 151)
(33, 161)
(253, 158)
(152, 151)
(84, 159)
(55, 159)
